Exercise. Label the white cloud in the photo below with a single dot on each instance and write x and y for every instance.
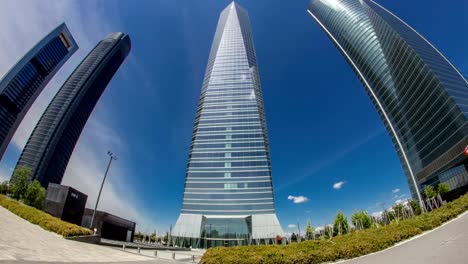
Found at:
(338, 185)
(22, 25)
(291, 226)
(377, 214)
(298, 199)
(395, 190)
(402, 201)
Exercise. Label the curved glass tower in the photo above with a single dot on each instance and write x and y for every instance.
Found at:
(20, 87)
(52, 141)
(421, 97)
(228, 196)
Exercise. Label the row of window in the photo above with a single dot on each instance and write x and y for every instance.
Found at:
(236, 136)
(229, 145)
(228, 186)
(229, 128)
(228, 164)
(239, 195)
(229, 154)
(227, 207)
(228, 174)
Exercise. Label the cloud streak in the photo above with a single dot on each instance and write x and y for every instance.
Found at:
(344, 151)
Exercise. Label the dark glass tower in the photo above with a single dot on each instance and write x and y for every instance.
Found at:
(420, 96)
(228, 196)
(51, 144)
(20, 87)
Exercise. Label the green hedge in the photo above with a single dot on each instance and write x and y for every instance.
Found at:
(341, 247)
(43, 219)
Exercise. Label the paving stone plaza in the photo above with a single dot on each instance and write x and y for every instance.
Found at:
(23, 242)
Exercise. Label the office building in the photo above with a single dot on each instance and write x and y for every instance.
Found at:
(228, 197)
(52, 141)
(419, 94)
(20, 87)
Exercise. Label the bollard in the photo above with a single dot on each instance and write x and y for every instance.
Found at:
(173, 255)
(193, 258)
(138, 249)
(155, 253)
(123, 247)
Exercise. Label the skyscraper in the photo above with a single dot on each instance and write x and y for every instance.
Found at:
(420, 96)
(52, 141)
(228, 196)
(20, 87)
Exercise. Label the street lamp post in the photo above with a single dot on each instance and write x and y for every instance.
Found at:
(112, 157)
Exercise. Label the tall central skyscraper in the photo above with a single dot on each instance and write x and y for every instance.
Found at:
(228, 197)
(420, 96)
(52, 141)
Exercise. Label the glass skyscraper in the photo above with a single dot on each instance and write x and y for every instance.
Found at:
(20, 87)
(420, 96)
(52, 141)
(228, 197)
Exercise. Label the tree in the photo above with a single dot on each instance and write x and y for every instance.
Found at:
(398, 209)
(415, 206)
(340, 226)
(153, 237)
(309, 230)
(443, 188)
(429, 192)
(293, 237)
(361, 220)
(4, 187)
(19, 182)
(35, 195)
(387, 217)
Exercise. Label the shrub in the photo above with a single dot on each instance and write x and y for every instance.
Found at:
(43, 219)
(35, 195)
(341, 247)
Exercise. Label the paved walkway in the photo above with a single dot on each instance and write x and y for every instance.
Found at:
(23, 242)
(446, 245)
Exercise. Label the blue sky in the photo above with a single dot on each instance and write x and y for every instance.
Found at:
(323, 129)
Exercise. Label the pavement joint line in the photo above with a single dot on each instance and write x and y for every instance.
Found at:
(407, 240)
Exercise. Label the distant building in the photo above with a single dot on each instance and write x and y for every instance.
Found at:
(20, 87)
(228, 197)
(51, 144)
(419, 94)
(110, 226)
(65, 203)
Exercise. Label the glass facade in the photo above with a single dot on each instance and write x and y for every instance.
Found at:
(20, 87)
(52, 141)
(229, 170)
(418, 93)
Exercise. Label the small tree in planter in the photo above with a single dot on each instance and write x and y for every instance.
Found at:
(4, 187)
(309, 231)
(35, 195)
(19, 182)
(340, 226)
